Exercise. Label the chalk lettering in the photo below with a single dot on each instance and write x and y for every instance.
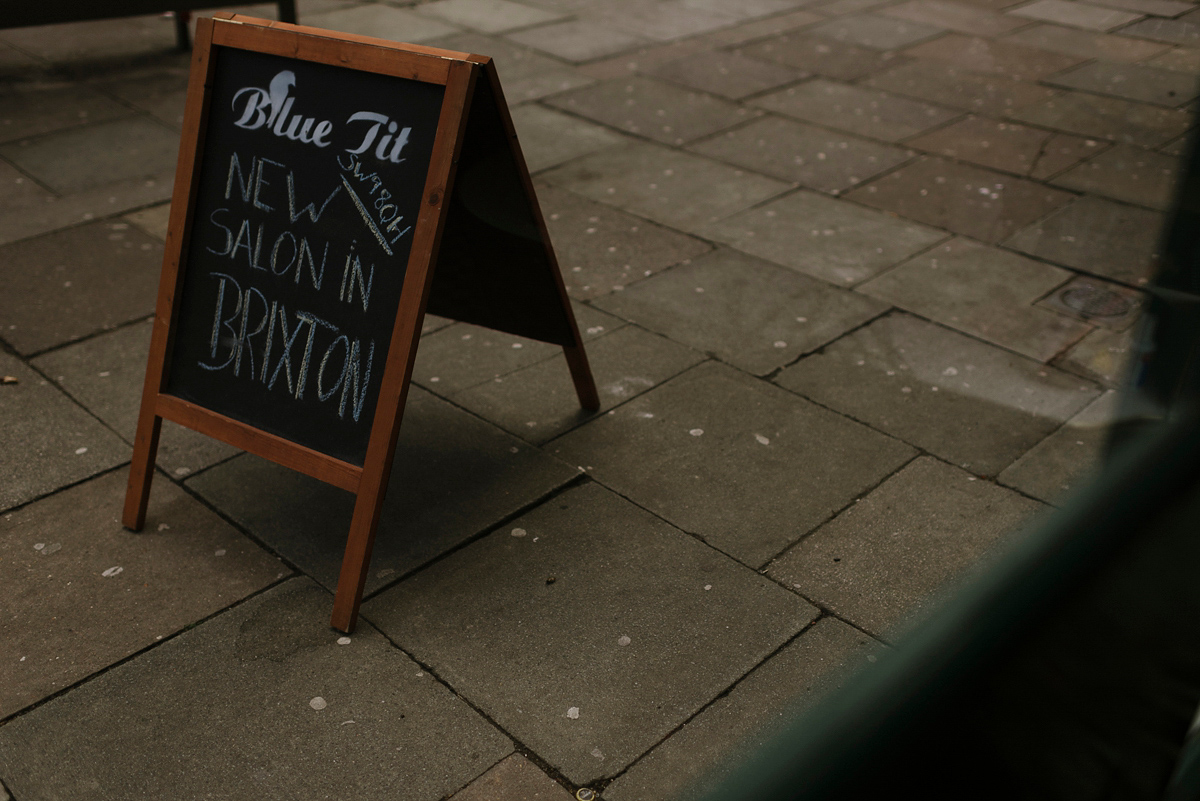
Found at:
(243, 315)
(366, 215)
(326, 394)
(228, 234)
(220, 322)
(381, 150)
(272, 108)
(310, 209)
(235, 168)
(244, 336)
(361, 382)
(352, 273)
(285, 361)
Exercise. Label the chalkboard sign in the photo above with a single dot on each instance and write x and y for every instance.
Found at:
(310, 184)
(329, 187)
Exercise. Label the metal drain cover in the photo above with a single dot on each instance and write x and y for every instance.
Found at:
(1094, 301)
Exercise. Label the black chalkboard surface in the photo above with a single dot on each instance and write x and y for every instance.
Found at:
(310, 183)
(329, 189)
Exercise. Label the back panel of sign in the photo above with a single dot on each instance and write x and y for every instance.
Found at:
(494, 268)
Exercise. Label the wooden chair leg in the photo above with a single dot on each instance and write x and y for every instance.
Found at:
(141, 470)
(287, 11)
(183, 39)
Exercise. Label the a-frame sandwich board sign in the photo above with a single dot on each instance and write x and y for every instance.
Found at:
(328, 188)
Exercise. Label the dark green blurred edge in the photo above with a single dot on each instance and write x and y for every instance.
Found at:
(1070, 669)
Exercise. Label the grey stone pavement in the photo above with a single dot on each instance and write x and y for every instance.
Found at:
(857, 278)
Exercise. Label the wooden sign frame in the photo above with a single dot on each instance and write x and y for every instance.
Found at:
(465, 77)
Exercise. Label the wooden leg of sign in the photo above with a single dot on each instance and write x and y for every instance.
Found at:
(393, 390)
(581, 374)
(141, 470)
(353, 577)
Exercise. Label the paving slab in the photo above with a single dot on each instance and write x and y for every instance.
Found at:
(992, 5)
(462, 355)
(1131, 82)
(676, 189)
(264, 692)
(160, 91)
(39, 213)
(885, 560)
(488, 16)
(66, 285)
(381, 21)
(578, 40)
(954, 16)
(549, 137)
(1174, 31)
(748, 9)
(524, 74)
(841, 243)
(566, 584)
(647, 57)
(654, 109)
(958, 88)
(735, 726)
(1127, 173)
(866, 112)
(105, 374)
(86, 593)
(821, 56)
(763, 27)
(84, 45)
(1098, 236)
(970, 403)
(514, 778)
(1103, 355)
(14, 62)
(666, 20)
(18, 189)
(748, 313)
(1107, 118)
(1179, 147)
(600, 248)
(985, 292)
(1076, 15)
(539, 402)
(726, 73)
(92, 156)
(59, 442)
(876, 32)
(1178, 59)
(996, 57)
(745, 465)
(1008, 146)
(154, 220)
(1068, 458)
(33, 108)
(979, 203)
(1157, 8)
(453, 477)
(456, 357)
(802, 153)
(1086, 44)
(841, 7)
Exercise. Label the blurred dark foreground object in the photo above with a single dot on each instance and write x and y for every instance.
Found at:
(1071, 668)
(20, 13)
